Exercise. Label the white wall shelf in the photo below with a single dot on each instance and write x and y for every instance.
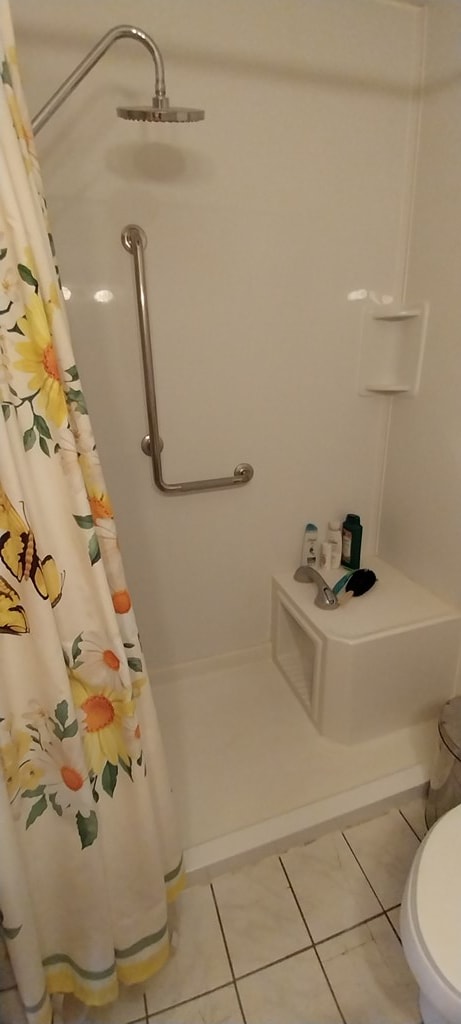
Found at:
(392, 348)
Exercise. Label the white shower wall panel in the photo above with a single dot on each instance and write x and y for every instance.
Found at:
(263, 221)
(421, 523)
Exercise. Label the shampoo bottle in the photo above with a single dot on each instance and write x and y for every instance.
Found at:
(352, 541)
(335, 538)
(310, 544)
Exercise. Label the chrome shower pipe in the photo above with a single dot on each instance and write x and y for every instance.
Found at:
(92, 58)
(134, 240)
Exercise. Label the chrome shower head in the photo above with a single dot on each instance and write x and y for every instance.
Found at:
(173, 114)
(160, 111)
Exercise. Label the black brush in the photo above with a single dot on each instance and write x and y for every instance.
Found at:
(358, 584)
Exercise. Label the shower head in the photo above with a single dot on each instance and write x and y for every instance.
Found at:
(160, 111)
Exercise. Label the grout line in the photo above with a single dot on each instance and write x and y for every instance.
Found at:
(363, 872)
(280, 960)
(393, 928)
(344, 931)
(322, 968)
(409, 825)
(228, 954)
(393, 925)
(237, 993)
(191, 999)
(139, 1020)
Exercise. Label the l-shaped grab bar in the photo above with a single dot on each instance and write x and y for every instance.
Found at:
(134, 240)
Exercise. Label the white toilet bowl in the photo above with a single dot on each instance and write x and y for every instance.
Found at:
(431, 921)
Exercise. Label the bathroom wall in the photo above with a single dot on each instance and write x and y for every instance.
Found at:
(421, 523)
(267, 225)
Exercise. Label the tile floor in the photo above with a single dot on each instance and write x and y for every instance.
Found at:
(310, 937)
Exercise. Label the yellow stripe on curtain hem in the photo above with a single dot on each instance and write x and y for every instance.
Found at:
(97, 988)
(64, 979)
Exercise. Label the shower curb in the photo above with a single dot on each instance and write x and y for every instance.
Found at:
(248, 845)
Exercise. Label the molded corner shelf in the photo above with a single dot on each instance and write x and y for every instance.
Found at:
(392, 347)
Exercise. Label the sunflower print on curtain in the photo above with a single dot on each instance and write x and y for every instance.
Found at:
(88, 849)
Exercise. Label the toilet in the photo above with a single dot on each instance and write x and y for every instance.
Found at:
(431, 921)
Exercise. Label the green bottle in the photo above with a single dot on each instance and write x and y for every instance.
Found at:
(351, 541)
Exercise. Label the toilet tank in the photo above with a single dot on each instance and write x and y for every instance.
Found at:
(381, 662)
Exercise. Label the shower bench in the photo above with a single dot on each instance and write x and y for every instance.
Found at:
(379, 663)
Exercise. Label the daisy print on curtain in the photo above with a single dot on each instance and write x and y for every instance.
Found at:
(88, 849)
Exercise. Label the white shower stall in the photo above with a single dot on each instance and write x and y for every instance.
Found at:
(324, 183)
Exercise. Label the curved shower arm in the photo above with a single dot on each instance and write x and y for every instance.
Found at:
(92, 58)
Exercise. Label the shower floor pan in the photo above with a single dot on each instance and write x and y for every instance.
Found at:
(250, 773)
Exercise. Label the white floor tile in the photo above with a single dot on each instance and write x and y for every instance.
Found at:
(385, 848)
(291, 992)
(128, 1007)
(394, 918)
(332, 890)
(67, 1009)
(11, 1008)
(219, 1007)
(370, 977)
(413, 811)
(199, 963)
(259, 915)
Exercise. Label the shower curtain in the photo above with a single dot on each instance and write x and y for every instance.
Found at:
(88, 850)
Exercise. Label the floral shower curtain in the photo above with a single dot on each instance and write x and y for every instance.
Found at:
(88, 851)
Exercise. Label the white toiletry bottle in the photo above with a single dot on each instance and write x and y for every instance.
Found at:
(326, 554)
(310, 545)
(334, 536)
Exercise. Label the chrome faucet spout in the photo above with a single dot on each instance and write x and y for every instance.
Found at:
(325, 598)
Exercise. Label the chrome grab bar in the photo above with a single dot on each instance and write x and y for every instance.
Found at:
(134, 240)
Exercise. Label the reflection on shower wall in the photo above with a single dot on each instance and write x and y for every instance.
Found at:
(264, 223)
